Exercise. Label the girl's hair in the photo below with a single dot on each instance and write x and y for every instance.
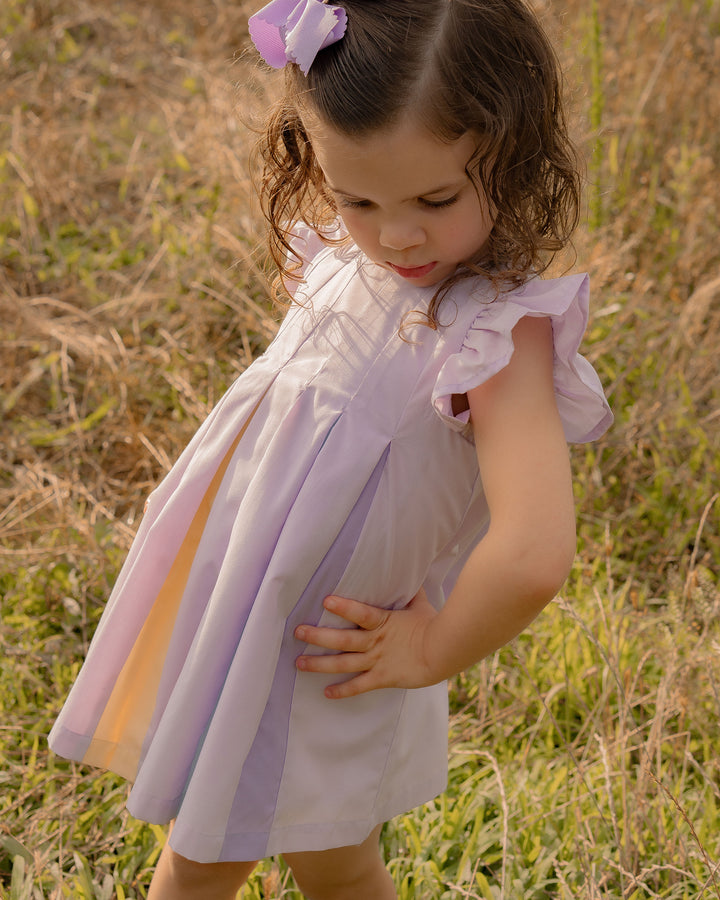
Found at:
(458, 66)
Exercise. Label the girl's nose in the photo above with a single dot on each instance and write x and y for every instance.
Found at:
(400, 235)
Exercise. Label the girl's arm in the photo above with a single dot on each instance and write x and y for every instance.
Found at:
(515, 570)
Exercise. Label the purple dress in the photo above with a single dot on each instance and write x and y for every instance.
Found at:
(334, 464)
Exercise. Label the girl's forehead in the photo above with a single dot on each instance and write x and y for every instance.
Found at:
(404, 159)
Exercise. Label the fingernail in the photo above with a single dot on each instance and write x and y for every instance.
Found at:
(330, 603)
(300, 633)
(301, 663)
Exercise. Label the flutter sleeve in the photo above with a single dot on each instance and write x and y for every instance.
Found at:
(488, 347)
(307, 244)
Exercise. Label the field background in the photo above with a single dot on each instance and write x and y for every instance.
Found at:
(584, 759)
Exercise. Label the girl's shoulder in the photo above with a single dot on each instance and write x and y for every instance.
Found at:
(501, 310)
(484, 346)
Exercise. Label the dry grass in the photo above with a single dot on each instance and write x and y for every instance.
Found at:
(132, 292)
(127, 254)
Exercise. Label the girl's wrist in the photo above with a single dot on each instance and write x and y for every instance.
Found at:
(438, 660)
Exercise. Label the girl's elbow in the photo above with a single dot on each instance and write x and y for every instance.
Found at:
(555, 576)
(546, 568)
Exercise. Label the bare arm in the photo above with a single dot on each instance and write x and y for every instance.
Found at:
(513, 572)
(527, 552)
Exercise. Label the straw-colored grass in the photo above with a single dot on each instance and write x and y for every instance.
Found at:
(584, 757)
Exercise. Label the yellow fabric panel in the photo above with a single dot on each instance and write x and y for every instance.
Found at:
(118, 738)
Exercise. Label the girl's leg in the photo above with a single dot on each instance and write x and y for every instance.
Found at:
(347, 873)
(178, 878)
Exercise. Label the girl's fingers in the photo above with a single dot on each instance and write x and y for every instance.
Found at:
(358, 685)
(350, 643)
(348, 640)
(358, 651)
(361, 614)
(334, 663)
(366, 618)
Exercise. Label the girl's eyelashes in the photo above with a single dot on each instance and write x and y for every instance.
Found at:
(349, 203)
(439, 204)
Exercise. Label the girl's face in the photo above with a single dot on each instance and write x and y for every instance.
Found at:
(405, 197)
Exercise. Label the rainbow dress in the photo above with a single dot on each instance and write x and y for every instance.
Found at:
(334, 464)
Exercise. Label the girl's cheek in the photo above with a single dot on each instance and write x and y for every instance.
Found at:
(360, 231)
(351, 220)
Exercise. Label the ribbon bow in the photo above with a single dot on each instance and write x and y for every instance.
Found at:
(290, 31)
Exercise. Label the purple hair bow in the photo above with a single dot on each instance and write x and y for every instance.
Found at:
(290, 31)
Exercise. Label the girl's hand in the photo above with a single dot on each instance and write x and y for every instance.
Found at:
(388, 649)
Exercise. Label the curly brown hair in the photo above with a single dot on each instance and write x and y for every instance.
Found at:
(479, 66)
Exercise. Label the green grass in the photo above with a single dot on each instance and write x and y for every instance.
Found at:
(583, 757)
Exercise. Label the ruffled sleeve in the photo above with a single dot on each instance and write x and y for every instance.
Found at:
(488, 347)
(307, 243)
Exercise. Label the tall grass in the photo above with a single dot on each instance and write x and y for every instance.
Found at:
(584, 756)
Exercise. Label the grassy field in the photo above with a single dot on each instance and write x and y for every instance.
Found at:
(584, 757)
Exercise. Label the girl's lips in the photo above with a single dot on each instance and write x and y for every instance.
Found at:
(413, 271)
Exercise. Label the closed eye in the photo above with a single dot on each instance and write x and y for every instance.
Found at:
(348, 203)
(439, 204)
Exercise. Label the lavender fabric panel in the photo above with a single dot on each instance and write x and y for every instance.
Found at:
(252, 813)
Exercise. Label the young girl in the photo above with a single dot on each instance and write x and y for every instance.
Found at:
(384, 497)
